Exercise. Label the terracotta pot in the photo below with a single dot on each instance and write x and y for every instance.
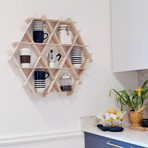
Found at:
(136, 118)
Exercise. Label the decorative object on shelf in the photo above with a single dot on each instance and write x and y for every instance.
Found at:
(65, 82)
(135, 101)
(52, 58)
(64, 34)
(76, 56)
(39, 77)
(38, 31)
(25, 57)
(40, 49)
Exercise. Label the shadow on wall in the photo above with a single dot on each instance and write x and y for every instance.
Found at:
(142, 76)
(129, 80)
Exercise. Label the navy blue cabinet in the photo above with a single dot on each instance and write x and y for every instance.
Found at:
(95, 141)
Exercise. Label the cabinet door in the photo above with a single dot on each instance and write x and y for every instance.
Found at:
(94, 141)
(129, 34)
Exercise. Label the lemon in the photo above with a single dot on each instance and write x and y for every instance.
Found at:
(110, 120)
(112, 110)
(118, 115)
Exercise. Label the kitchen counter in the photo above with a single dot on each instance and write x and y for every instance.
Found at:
(88, 124)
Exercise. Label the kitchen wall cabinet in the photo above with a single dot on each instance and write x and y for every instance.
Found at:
(95, 141)
(129, 34)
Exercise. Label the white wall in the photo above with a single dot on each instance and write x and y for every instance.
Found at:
(21, 114)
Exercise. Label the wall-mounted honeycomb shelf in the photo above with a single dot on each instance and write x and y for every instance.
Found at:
(39, 53)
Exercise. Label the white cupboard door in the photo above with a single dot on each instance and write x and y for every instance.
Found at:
(129, 34)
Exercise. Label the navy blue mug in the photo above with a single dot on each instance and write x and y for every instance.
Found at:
(39, 79)
(41, 75)
(38, 36)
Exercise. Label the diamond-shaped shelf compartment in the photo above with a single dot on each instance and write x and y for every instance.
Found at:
(40, 56)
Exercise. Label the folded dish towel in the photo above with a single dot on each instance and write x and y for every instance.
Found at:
(111, 129)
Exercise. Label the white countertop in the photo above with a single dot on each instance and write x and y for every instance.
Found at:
(139, 138)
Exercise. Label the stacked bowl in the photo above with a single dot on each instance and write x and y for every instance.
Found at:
(76, 56)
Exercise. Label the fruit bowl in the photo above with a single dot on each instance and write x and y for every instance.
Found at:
(110, 119)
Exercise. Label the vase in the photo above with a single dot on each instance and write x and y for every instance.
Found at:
(136, 118)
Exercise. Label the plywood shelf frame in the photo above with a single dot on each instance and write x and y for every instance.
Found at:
(29, 87)
(55, 72)
(56, 26)
(85, 63)
(42, 62)
(40, 50)
(36, 62)
(67, 50)
(73, 28)
(49, 87)
(27, 38)
(62, 62)
(51, 76)
(28, 20)
(29, 76)
(14, 61)
(61, 50)
(68, 21)
(74, 39)
(14, 44)
(14, 51)
(57, 87)
(49, 27)
(27, 72)
(48, 90)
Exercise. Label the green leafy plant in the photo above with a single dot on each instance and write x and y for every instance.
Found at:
(130, 98)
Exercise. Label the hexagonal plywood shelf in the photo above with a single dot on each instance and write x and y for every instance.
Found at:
(39, 58)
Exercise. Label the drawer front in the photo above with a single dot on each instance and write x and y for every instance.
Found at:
(118, 144)
(95, 141)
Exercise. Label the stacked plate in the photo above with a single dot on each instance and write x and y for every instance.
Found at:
(76, 56)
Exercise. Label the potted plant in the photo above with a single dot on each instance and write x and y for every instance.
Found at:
(134, 100)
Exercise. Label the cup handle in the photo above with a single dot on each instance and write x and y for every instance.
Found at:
(47, 75)
(46, 36)
(45, 27)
